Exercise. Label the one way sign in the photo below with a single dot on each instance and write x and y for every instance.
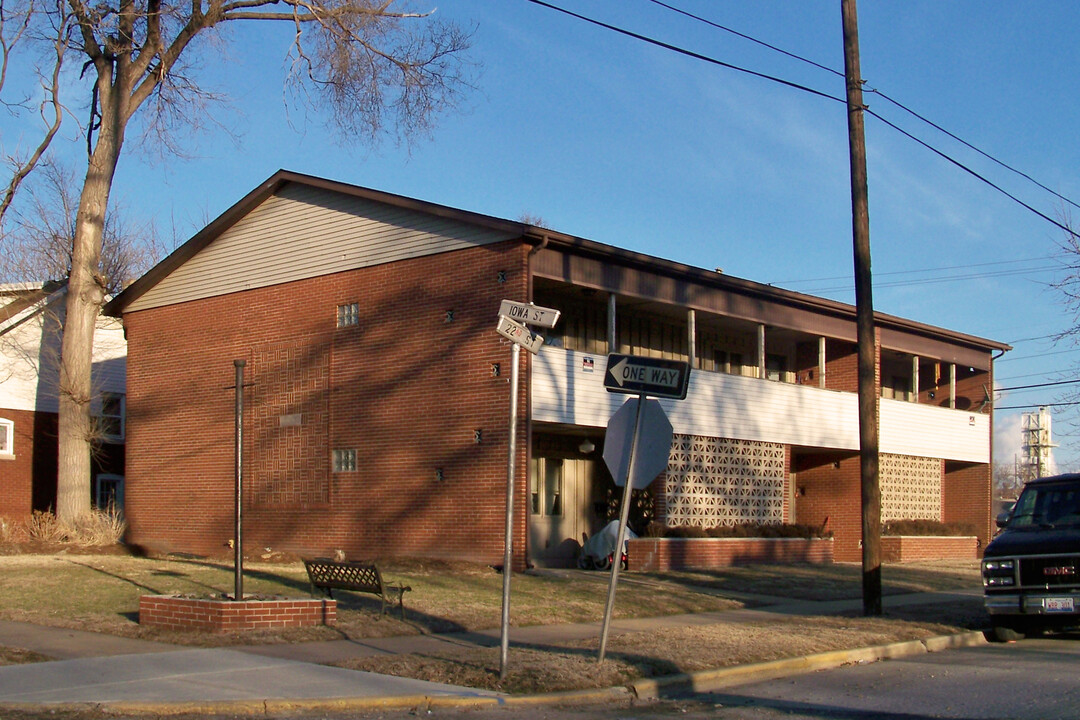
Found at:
(647, 376)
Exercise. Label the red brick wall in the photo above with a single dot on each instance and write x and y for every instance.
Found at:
(895, 548)
(841, 366)
(222, 616)
(28, 480)
(826, 491)
(405, 388)
(663, 554)
(966, 497)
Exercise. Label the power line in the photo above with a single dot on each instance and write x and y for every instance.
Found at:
(1038, 385)
(935, 281)
(796, 86)
(755, 40)
(684, 51)
(1028, 357)
(923, 270)
(1024, 407)
(874, 91)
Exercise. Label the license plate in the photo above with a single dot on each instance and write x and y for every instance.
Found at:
(1058, 604)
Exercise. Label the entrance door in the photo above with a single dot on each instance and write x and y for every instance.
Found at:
(560, 509)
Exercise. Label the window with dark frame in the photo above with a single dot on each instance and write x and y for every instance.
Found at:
(111, 420)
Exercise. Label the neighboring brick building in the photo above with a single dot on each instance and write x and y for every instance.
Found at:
(30, 319)
(378, 404)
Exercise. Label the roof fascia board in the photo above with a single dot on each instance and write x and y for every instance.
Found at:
(710, 278)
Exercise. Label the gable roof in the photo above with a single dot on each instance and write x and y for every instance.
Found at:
(284, 182)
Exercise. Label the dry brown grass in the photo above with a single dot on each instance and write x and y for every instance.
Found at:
(574, 666)
(96, 528)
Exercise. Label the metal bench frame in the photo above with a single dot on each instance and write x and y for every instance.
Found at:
(358, 576)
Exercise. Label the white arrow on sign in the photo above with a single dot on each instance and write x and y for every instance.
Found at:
(529, 313)
(624, 371)
(520, 334)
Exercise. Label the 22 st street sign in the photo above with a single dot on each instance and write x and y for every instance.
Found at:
(647, 376)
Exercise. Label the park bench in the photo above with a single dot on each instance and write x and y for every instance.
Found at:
(358, 576)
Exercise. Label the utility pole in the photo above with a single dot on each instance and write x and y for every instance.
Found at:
(864, 313)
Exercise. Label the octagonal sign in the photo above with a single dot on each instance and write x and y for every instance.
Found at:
(653, 447)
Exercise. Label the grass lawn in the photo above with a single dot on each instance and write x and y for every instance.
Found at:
(101, 592)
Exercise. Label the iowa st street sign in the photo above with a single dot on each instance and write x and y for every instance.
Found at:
(529, 314)
(648, 376)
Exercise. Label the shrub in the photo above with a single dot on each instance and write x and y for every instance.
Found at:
(93, 529)
(44, 527)
(11, 531)
(741, 530)
(928, 528)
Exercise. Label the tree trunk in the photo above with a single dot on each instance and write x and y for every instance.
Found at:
(85, 295)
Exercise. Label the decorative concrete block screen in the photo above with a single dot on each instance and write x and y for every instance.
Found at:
(910, 487)
(717, 481)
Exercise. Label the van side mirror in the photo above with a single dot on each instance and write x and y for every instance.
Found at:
(1003, 519)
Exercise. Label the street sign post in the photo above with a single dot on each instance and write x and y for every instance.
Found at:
(511, 316)
(647, 376)
(652, 450)
(637, 450)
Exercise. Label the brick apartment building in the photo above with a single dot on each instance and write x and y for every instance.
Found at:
(30, 319)
(378, 406)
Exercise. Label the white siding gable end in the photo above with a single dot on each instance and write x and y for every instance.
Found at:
(303, 232)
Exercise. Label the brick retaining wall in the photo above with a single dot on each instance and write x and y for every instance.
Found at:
(220, 616)
(660, 554)
(912, 548)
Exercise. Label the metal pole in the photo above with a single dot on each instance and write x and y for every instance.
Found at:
(508, 542)
(624, 516)
(238, 563)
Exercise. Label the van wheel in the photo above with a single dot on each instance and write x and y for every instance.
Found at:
(1004, 633)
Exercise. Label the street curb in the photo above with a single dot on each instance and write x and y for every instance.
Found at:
(644, 689)
(708, 680)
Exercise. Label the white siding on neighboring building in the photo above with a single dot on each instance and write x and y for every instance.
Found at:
(731, 406)
(30, 351)
(304, 232)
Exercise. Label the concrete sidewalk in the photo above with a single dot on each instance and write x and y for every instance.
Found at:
(124, 672)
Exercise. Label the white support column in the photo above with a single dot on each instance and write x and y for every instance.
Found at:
(612, 347)
(761, 352)
(952, 386)
(915, 379)
(821, 361)
(691, 337)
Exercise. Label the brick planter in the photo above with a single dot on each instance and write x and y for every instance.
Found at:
(220, 615)
(912, 548)
(660, 554)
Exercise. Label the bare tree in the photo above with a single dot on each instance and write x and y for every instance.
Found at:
(39, 248)
(16, 27)
(373, 67)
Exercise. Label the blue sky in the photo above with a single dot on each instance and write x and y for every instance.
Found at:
(612, 139)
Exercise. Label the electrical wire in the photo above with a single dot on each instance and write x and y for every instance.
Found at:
(873, 91)
(1024, 407)
(912, 272)
(935, 281)
(804, 88)
(1036, 386)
